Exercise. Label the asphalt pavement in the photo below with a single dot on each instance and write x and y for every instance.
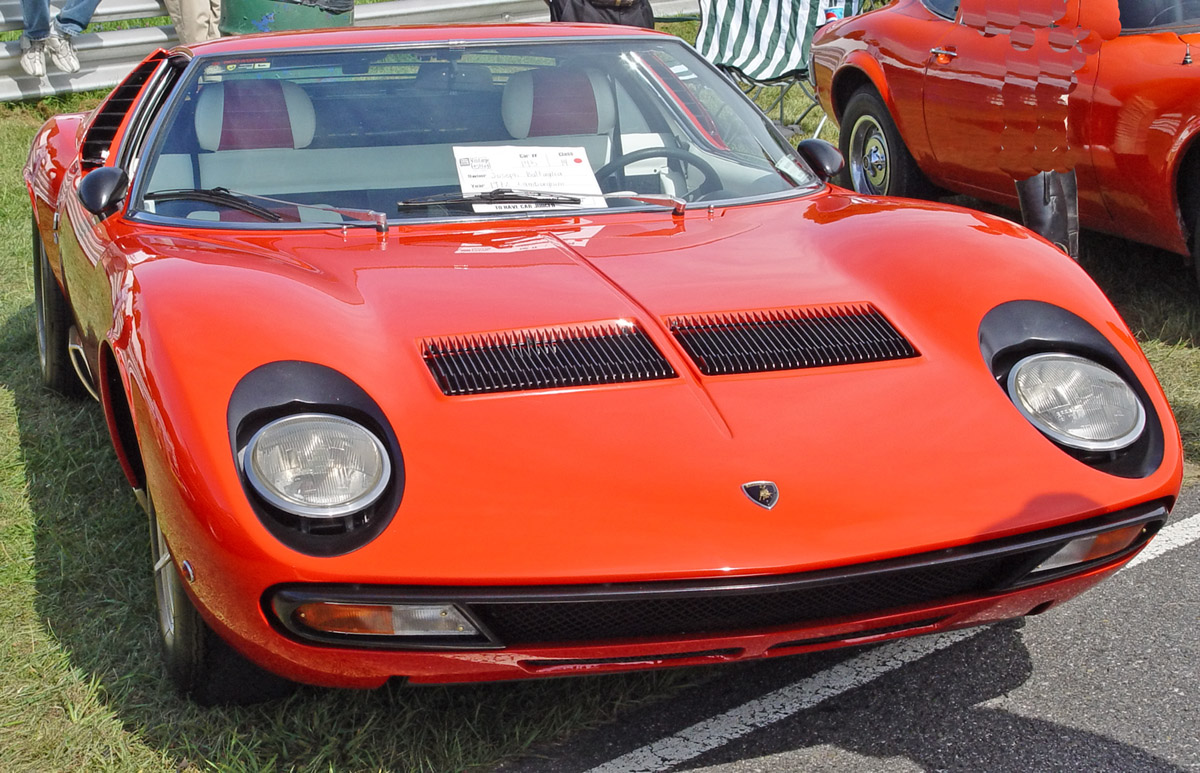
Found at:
(1109, 681)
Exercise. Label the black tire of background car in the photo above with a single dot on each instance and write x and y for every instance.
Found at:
(868, 128)
(53, 322)
(200, 664)
(1196, 241)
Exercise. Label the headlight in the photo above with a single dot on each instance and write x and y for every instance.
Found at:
(317, 465)
(1077, 402)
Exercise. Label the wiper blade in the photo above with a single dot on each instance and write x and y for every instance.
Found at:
(242, 201)
(494, 196)
(220, 196)
(676, 204)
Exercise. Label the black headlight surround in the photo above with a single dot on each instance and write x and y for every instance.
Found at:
(1016, 329)
(284, 388)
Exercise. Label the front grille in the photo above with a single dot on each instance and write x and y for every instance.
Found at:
(517, 624)
(544, 359)
(515, 616)
(788, 339)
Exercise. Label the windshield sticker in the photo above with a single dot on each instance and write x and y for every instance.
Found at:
(215, 72)
(788, 166)
(482, 169)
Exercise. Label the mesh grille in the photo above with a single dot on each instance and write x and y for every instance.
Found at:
(788, 339)
(519, 623)
(544, 359)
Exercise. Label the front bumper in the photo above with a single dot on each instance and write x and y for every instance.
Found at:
(544, 631)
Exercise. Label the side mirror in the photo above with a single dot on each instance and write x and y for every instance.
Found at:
(825, 159)
(102, 190)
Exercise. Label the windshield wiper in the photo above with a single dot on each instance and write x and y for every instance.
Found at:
(494, 196)
(242, 201)
(220, 196)
(511, 196)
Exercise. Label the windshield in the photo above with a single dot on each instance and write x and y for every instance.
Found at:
(527, 129)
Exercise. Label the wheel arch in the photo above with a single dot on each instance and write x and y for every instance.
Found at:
(1187, 186)
(857, 71)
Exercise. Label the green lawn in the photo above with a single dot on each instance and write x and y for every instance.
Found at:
(80, 683)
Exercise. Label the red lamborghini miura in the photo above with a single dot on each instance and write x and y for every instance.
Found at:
(475, 353)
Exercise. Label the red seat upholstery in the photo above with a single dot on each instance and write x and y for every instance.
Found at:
(253, 115)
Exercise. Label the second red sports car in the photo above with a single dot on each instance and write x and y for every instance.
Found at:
(924, 97)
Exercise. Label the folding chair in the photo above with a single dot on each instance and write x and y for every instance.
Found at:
(763, 44)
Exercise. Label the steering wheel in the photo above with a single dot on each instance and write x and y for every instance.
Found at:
(712, 181)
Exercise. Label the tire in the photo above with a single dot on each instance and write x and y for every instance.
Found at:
(877, 160)
(52, 320)
(1196, 242)
(199, 663)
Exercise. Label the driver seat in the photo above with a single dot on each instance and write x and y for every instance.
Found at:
(561, 107)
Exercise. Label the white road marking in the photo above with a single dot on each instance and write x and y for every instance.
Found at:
(1176, 535)
(714, 733)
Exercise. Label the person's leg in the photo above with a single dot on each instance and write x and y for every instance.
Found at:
(214, 19)
(36, 17)
(71, 21)
(190, 18)
(76, 15)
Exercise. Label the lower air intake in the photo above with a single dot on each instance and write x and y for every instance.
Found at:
(789, 339)
(544, 359)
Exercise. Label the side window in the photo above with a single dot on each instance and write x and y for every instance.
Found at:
(1156, 14)
(111, 115)
(947, 9)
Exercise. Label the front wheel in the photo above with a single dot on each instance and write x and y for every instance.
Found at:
(52, 318)
(200, 664)
(877, 160)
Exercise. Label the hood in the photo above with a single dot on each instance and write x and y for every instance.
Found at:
(606, 482)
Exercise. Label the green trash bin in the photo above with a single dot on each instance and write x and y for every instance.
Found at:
(244, 17)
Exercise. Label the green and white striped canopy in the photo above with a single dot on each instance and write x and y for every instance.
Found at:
(762, 39)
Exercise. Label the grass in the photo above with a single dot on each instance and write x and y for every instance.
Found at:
(80, 682)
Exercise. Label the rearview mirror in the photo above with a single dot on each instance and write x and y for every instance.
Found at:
(101, 190)
(825, 159)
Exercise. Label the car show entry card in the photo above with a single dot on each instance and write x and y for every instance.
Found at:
(542, 169)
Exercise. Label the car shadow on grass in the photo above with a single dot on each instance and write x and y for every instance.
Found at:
(93, 595)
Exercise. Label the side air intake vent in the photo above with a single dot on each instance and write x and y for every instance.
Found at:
(544, 359)
(788, 339)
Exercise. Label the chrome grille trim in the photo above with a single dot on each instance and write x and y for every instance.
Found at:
(546, 358)
(789, 339)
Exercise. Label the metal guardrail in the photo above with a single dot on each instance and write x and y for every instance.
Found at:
(106, 57)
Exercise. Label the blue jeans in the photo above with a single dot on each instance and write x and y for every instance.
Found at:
(74, 16)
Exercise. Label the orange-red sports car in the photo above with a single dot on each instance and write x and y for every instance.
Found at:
(924, 92)
(476, 353)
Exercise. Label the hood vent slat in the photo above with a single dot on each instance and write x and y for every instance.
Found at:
(789, 339)
(548, 358)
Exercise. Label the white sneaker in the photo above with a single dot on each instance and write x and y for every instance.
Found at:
(61, 50)
(33, 56)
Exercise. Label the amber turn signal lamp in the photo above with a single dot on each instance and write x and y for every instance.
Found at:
(1092, 548)
(337, 617)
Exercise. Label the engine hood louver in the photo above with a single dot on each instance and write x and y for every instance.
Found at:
(544, 359)
(788, 339)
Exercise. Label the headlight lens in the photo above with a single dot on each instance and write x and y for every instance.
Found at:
(1077, 402)
(317, 465)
